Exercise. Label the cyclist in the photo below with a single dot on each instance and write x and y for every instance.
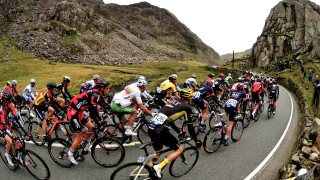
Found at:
(6, 108)
(200, 99)
(30, 98)
(256, 90)
(274, 94)
(62, 88)
(166, 89)
(167, 81)
(123, 102)
(188, 83)
(209, 78)
(246, 85)
(88, 100)
(219, 84)
(89, 84)
(145, 94)
(46, 101)
(232, 108)
(12, 88)
(228, 79)
(159, 132)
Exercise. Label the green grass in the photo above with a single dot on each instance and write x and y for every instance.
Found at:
(22, 66)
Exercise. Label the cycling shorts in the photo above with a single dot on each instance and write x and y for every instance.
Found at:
(255, 97)
(121, 111)
(160, 100)
(200, 103)
(164, 137)
(273, 96)
(77, 120)
(232, 112)
(27, 98)
(40, 109)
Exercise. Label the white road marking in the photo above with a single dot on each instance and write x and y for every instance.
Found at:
(263, 163)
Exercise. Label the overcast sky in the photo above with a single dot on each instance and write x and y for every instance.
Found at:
(225, 25)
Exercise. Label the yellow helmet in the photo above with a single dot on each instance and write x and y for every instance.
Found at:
(186, 93)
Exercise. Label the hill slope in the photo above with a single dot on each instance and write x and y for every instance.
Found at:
(91, 32)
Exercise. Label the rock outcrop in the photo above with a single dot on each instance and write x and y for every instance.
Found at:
(89, 31)
(292, 27)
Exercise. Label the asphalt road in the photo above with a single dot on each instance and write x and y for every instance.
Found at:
(234, 162)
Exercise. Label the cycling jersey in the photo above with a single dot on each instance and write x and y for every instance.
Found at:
(128, 97)
(165, 82)
(205, 82)
(232, 104)
(227, 80)
(64, 91)
(201, 95)
(257, 87)
(145, 94)
(274, 91)
(27, 93)
(167, 87)
(188, 83)
(43, 98)
(246, 86)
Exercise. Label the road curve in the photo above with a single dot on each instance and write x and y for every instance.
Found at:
(237, 161)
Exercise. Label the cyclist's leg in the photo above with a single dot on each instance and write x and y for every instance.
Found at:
(8, 139)
(61, 101)
(204, 112)
(133, 115)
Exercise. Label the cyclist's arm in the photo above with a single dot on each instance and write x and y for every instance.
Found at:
(176, 95)
(144, 109)
(190, 124)
(175, 128)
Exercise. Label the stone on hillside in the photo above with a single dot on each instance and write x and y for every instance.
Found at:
(314, 157)
(306, 150)
(304, 141)
(315, 132)
(315, 150)
(295, 158)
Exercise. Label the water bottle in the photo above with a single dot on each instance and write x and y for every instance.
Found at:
(63, 129)
(83, 143)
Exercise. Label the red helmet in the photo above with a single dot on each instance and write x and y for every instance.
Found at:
(221, 75)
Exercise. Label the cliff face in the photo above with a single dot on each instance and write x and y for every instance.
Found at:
(89, 31)
(293, 27)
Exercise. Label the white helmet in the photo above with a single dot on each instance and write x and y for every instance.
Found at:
(14, 83)
(194, 76)
(96, 76)
(66, 79)
(32, 81)
(142, 78)
(142, 83)
(229, 74)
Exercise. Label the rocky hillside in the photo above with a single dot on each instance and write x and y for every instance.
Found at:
(91, 32)
(292, 28)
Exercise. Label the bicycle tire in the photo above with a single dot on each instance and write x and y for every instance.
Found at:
(127, 171)
(186, 161)
(237, 131)
(2, 154)
(35, 129)
(257, 115)
(110, 148)
(17, 133)
(269, 111)
(246, 121)
(141, 135)
(213, 119)
(58, 149)
(34, 163)
(60, 134)
(196, 124)
(212, 140)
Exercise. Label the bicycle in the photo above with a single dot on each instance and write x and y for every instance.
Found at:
(270, 109)
(34, 164)
(105, 151)
(213, 138)
(141, 169)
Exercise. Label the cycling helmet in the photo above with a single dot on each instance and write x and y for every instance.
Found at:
(239, 79)
(240, 86)
(8, 83)
(209, 83)
(211, 75)
(102, 83)
(142, 83)
(221, 75)
(259, 79)
(51, 85)
(66, 79)
(14, 82)
(172, 77)
(32, 81)
(248, 78)
(270, 82)
(229, 74)
(96, 76)
(186, 93)
(194, 76)
(6, 97)
(142, 78)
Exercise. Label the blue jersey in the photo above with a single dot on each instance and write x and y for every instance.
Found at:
(203, 93)
(236, 98)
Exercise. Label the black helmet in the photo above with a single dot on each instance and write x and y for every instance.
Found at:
(102, 83)
(66, 79)
(51, 85)
(6, 96)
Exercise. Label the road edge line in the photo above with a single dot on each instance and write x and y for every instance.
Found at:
(264, 162)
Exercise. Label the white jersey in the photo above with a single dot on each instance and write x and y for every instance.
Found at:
(145, 94)
(235, 86)
(128, 96)
(27, 92)
(189, 81)
(89, 84)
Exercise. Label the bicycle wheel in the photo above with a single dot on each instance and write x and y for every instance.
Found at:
(257, 115)
(237, 131)
(36, 132)
(141, 134)
(246, 121)
(213, 119)
(58, 149)
(269, 112)
(17, 133)
(212, 140)
(133, 170)
(60, 134)
(4, 159)
(185, 162)
(196, 124)
(35, 165)
(107, 152)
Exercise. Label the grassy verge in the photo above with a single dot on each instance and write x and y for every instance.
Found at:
(22, 66)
